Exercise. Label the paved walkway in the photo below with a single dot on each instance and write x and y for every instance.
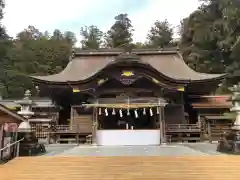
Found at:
(163, 150)
(209, 148)
(54, 149)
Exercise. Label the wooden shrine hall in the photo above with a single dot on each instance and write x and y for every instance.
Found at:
(127, 98)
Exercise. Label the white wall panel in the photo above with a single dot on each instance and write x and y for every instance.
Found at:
(128, 137)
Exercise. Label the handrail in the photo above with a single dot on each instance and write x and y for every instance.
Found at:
(9, 145)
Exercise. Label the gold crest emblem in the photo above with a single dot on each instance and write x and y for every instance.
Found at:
(76, 90)
(127, 73)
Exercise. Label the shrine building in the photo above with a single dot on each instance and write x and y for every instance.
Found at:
(127, 98)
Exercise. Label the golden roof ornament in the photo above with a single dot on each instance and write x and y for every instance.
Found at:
(127, 73)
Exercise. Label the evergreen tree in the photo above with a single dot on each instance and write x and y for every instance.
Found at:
(160, 34)
(120, 34)
(91, 37)
(210, 39)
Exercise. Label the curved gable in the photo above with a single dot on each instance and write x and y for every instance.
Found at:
(169, 64)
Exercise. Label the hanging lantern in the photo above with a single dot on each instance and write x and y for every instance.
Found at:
(113, 112)
(158, 110)
(136, 113)
(128, 112)
(99, 111)
(120, 113)
(106, 112)
(151, 112)
(144, 111)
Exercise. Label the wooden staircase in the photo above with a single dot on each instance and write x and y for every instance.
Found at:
(124, 168)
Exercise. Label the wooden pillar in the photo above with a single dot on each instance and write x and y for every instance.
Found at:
(71, 116)
(94, 125)
(201, 125)
(209, 131)
(162, 125)
(155, 122)
(1, 139)
(182, 107)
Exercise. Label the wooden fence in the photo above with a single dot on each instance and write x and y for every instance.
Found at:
(214, 131)
(49, 132)
(176, 132)
(183, 132)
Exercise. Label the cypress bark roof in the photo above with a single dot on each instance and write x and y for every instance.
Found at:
(168, 63)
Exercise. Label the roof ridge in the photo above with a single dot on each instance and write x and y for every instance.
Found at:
(116, 52)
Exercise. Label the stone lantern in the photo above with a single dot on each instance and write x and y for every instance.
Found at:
(26, 111)
(236, 105)
(230, 141)
(30, 145)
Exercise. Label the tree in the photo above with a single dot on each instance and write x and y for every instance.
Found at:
(32, 53)
(160, 34)
(2, 6)
(210, 38)
(57, 35)
(91, 37)
(139, 45)
(5, 64)
(30, 33)
(120, 34)
(70, 37)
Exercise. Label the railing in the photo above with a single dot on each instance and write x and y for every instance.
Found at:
(183, 128)
(215, 131)
(13, 149)
(65, 128)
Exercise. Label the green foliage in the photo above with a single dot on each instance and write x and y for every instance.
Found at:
(120, 34)
(92, 37)
(160, 34)
(210, 43)
(32, 53)
(210, 39)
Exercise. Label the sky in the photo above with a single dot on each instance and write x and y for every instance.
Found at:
(71, 15)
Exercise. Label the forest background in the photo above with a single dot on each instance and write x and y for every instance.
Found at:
(209, 41)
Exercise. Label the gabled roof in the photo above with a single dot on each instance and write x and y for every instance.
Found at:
(214, 101)
(87, 64)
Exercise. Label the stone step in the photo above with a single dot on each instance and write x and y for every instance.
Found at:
(124, 168)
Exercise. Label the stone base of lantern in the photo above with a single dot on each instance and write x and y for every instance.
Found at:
(30, 145)
(230, 142)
